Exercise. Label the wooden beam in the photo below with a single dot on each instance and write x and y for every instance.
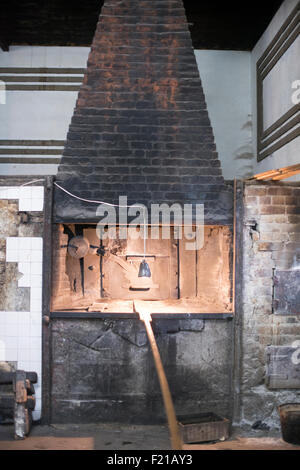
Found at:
(267, 175)
(286, 175)
(278, 175)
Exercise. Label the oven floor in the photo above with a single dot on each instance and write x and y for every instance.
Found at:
(165, 306)
(121, 437)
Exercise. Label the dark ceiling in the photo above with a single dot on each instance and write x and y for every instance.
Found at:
(229, 25)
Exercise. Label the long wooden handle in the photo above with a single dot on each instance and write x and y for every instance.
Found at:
(168, 402)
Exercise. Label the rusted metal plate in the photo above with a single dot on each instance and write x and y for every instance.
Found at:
(287, 292)
(283, 367)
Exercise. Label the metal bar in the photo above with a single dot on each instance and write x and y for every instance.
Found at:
(46, 301)
(27, 151)
(31, 161)
(32, 143)
(238, 306)
(145, 256)
(67, 315)
(44, 70)
(39, 79)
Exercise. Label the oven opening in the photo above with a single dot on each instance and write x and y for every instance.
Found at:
(93, 273)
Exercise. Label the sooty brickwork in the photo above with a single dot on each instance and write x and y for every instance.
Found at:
(141, 127)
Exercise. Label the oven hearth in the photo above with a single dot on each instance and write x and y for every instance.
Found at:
(103, 275)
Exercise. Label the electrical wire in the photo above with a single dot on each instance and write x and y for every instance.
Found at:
(31, 182)
(95, 202)
(98, 202)
(110, 205)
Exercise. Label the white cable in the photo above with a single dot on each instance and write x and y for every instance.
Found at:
(31, 182)
(111, 205)
(96, 202)
(99, 202)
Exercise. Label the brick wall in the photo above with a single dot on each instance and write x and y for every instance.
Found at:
(271, 245)
(141, 126)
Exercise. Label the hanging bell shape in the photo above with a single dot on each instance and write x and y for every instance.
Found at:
(144, 270)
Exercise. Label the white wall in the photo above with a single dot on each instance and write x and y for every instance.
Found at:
(225, 77)
(44, 115)
(277, 90)
(229, 82)
(34, 115)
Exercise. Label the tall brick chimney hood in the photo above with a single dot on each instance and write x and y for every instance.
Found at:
(140, 126)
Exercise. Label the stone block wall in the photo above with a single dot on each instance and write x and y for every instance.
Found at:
(271, 245)
(103, 370)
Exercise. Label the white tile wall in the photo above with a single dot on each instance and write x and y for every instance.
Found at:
(21, 332)
(21, 342)
(31, 198)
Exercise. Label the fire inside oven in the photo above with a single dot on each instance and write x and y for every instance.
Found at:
(99, 275)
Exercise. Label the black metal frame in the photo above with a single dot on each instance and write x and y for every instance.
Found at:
(238, 304)
(46, 301)
(49, 316)
(131, 316)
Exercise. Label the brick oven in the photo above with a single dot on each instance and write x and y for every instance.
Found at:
(140, 130)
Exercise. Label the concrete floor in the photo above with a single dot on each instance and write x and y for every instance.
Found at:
(88, 436)
(121, 437)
